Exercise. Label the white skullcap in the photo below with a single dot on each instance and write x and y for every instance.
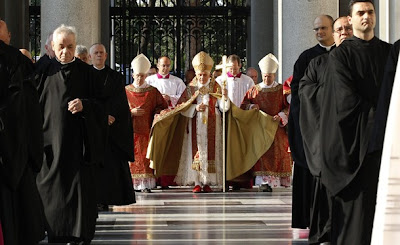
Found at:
(202, 62)
(268, 64)
(140, 64)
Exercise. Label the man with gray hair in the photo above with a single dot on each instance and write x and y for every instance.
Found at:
(82, 53)
(113, 179)
(73, 142)
(44, 60)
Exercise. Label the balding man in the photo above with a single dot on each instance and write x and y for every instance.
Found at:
(310, 95)
(74, 137)
(302, 178)
(114, 184)
(5, 35)
(21, 148)
(252, 73)
(171, 88)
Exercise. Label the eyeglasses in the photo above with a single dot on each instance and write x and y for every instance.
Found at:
(346, 29)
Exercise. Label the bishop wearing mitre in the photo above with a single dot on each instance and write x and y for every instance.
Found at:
(274, 168)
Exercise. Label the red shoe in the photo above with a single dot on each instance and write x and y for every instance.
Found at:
(196, 189)
(207, 188)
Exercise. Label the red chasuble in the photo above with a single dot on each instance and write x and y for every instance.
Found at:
(152, 102)
(277, 160)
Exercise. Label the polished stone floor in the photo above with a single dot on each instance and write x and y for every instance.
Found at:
(178, 216)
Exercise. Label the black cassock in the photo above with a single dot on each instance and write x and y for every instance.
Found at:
(21, 150)
(382, 110)
(350, 173)
(73, 143)
(310, 95)
(113, 179)
(303, 183)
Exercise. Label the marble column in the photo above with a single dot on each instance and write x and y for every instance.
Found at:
(297, 28)
(85, 16)
(261, 32)
(16, 15)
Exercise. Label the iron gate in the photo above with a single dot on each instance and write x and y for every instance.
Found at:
(178, 29)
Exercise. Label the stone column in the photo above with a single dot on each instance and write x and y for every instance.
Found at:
(261, 32)
(85, 16)
(394, 20)
(297, 28)
(16, 15)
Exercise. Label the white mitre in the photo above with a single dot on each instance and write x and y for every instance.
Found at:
(140, 64)
(268, 64)
(202, 62)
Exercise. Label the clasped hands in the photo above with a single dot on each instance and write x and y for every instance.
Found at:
(201, 107)
(75, 106)
(137, 112)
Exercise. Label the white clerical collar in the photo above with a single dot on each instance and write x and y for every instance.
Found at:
(99, 69)
(62, 63)
(144, 85)
(199, 85)
(263, 85)
(328, 48)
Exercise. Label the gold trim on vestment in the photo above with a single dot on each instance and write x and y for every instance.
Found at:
(287, 91)
(210, 169)
(274, 89)
(142, 176)
(139, 90)
(269, 173)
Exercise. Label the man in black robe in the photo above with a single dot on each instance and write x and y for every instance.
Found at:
(73, 138)
(21, 148)
(382, 110)
(45, 59)
(113, 179)
(310, 95)
(302, 179)
(349, 171)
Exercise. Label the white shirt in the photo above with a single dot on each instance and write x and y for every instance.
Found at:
(237, 87)
(172, 86)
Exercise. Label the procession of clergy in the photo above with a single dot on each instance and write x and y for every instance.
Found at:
(75, 139)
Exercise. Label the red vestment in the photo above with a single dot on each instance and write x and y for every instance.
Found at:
(151, 100)
(276, 162)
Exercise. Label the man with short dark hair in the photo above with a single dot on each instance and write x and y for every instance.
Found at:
(349, 170)
(302, 178)
(114, 185)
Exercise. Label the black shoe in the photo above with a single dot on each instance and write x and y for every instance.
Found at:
(146, 190)
(264, 188)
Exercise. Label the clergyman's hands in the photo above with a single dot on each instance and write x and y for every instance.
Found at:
(137, 112)
(111, 119)
(75, 106)
(201, 107)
